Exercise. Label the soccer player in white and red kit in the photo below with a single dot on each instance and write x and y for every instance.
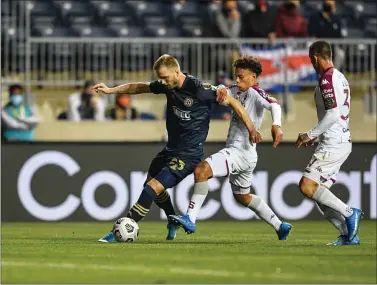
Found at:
(239, 157)
(332, 97)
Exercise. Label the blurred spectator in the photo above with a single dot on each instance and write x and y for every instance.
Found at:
(123, 109)
(325, 24)
(87, 105)
(220, 112)
(227, 20)
(18, 119)
(289, 22)
(260, 22)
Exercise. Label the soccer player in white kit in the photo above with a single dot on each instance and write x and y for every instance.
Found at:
(332, 97)
(239, 158)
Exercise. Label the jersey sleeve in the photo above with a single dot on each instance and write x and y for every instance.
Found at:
(264, 100)
(156, 87)
(328, 92)
(206, 92)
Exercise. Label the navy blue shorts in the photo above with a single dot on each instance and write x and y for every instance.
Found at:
(170, 169)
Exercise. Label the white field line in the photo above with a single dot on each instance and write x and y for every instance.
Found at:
(188, 271)
(178, 270)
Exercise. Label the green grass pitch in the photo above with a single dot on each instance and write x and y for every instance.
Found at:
(220, 252)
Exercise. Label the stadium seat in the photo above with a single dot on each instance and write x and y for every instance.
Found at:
(121, 30)
(354, 33)
(316, 5)
(163, 31)
(191, 20)
(188, 8)
(52, 31)
(119, 20)
(77, 8)
(245, 6)
(362, 9)
(75, 20)
(371, 28)
(92, 31)
(112, 8)
(155, 20)
(41, 8)
(6, 8)
(145, 9)
(192, 30)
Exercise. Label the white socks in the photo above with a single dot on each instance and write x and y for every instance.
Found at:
(259, 206)
(325, 197)
(197, 200)
(334, 217)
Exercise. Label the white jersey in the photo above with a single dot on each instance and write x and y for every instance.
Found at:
(332, 97)
(254, 100)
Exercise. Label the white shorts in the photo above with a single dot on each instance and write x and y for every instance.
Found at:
(324, 165)
(238, 165)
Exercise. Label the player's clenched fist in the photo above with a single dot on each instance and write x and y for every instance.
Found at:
(101, 87)
(221, 94)
(277, 134)
(302, 139)
(255, 136)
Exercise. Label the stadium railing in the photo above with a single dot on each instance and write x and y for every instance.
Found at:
(70, 61)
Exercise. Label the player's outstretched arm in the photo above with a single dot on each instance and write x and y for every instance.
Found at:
(244, 116)
(130, 88)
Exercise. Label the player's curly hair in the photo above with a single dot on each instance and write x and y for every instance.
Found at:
(249, 62)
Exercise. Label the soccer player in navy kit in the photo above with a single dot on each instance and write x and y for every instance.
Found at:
(187, 122)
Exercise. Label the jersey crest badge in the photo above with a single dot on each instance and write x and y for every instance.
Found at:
(188, 102)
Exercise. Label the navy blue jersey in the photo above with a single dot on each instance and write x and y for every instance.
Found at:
(187, 115)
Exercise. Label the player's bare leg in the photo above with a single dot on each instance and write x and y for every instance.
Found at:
(202, 173)
(325, 197)
(260, 207)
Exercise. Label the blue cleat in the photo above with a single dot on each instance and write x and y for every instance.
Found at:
(184, 222)
(108, 238)
(354, 241)
(353, 223)
(172, 229)
(343, 240)
(284, 231)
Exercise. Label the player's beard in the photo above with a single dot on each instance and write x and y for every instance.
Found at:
(173, 84)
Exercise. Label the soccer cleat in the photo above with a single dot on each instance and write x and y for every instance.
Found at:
(284, 231)
(108, 238)
(353, 223)
(354, 241)
(172, 229)
(184, 222)
(343, 240)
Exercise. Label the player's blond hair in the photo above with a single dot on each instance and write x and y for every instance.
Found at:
(167, 61)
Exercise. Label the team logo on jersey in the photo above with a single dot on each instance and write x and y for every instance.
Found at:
(208, 86)
(324, 81)
(329, 102)
(188, 102)
(183, 115)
